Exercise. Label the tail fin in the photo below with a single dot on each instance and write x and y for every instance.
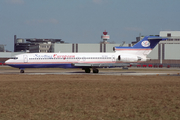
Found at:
(143, 47)
(148, 42)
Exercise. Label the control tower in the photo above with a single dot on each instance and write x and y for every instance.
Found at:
(105, 37)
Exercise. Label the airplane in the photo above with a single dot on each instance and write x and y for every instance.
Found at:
(121, 57)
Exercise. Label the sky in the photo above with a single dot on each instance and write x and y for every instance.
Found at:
(83, 21)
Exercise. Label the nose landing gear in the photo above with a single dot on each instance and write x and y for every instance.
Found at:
(21, 70)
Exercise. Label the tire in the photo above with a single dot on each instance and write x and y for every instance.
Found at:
(87, 70)
(95, 71)
(21, 71)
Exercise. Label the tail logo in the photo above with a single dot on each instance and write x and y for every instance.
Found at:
(145, 43)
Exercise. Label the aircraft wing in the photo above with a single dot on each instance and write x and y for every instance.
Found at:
(102, 65)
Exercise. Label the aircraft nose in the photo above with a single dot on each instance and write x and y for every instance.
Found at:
(7, 62)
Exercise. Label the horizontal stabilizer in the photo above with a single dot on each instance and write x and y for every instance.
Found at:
(156, 38)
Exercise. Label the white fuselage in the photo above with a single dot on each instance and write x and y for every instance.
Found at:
(65, 60)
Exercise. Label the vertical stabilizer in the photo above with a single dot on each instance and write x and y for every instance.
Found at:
(143, 47)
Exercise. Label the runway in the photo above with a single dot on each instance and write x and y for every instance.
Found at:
(109, 73)
(114, 71)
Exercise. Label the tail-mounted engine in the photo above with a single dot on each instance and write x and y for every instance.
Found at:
(126, 58)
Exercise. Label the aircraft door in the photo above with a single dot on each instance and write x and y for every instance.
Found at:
(66, 58)
(25, 58)
(113, 58)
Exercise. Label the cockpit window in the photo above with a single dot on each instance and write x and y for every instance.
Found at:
(14, 57)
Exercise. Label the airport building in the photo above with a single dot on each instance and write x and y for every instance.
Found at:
(166, 52)
(2, 49)
(103, 46)
(33, 45)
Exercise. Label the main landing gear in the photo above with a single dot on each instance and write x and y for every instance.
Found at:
(88, 70)
(95, 70)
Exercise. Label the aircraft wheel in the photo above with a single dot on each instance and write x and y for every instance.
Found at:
(21, 71)
(95, 71)
(87, 70)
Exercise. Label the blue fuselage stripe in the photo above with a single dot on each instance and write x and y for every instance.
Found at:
(43, 66)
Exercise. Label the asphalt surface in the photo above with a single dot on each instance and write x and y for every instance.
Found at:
(115, 71)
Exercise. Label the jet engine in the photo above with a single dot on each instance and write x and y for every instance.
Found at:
(128, 58)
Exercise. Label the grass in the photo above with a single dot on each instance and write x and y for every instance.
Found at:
(89, 97)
